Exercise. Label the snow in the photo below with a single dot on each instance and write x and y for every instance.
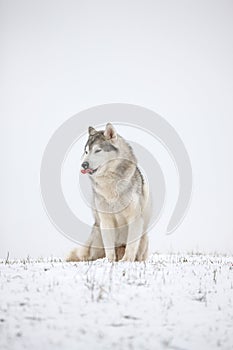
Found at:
(174, 301)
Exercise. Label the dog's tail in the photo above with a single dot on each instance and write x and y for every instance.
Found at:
(79, 254)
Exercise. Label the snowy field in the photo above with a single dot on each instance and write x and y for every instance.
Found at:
(177, 302)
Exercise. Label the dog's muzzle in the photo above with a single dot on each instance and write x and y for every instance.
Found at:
(86, 169)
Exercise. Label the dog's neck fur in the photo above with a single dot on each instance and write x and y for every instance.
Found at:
(123, 167)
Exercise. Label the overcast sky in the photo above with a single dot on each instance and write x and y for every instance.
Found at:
(60, 57)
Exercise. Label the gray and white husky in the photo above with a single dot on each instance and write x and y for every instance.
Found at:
(121, 203)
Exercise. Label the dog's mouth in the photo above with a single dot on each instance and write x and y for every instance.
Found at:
(88, 171)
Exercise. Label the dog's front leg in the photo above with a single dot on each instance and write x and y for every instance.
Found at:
(107, 228)
(135, 229)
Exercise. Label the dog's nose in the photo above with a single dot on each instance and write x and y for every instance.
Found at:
(85, 165)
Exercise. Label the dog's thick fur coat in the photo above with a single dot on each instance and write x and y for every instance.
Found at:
(121, 203)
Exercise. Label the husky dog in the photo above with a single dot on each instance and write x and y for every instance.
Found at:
(121, 203)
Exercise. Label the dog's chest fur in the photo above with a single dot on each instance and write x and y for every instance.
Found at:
(112, 195)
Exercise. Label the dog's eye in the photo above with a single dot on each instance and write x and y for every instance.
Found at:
(98, 150)
(86, 152)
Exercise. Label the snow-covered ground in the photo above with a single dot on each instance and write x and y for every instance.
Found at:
(170, 302)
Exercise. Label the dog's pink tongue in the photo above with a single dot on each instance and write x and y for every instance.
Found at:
(86, 171)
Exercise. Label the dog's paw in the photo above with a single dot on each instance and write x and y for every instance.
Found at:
(110, 257)
(128, 258)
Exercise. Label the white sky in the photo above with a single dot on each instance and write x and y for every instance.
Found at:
(60, 57)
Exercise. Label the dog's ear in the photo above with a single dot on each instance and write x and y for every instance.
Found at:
(110, 132)
(91, 131)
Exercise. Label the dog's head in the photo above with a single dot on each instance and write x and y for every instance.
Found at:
(100, 149)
